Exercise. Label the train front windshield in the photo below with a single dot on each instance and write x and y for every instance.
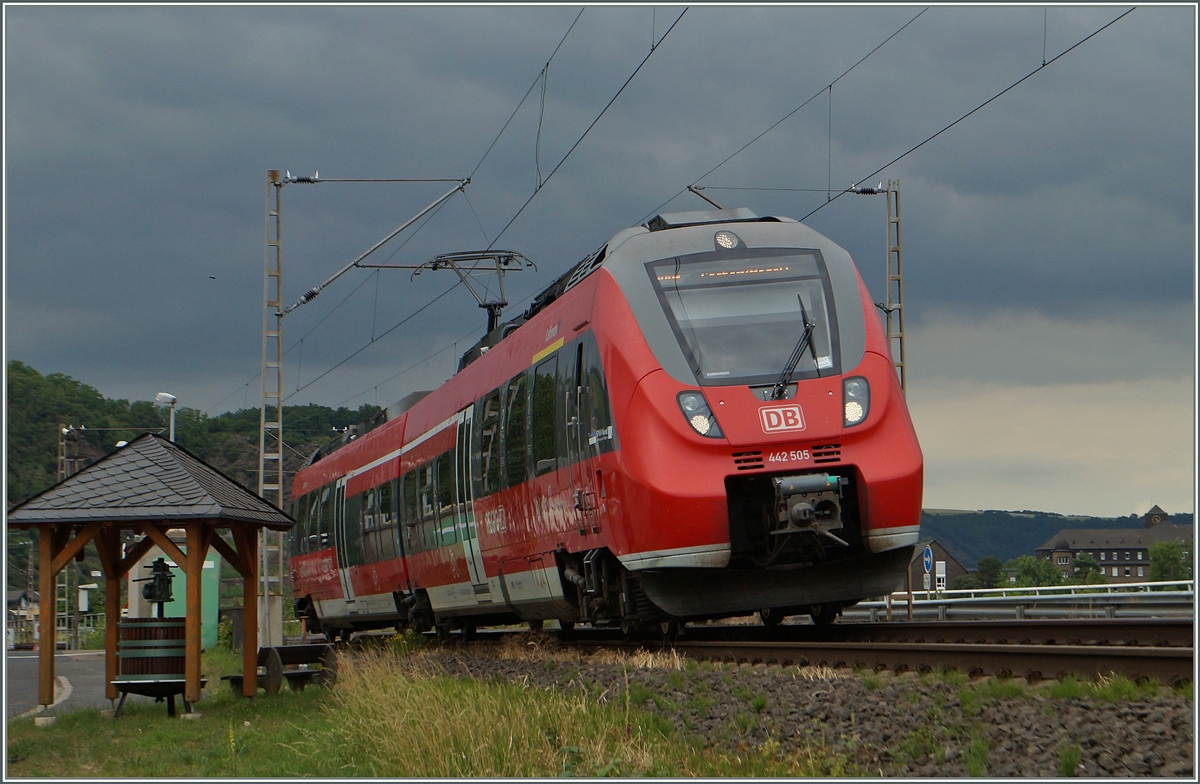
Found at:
(739, 316)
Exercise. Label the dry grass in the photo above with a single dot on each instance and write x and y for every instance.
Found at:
(409, 721)
(405, 716)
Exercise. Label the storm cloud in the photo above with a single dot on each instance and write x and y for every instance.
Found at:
(1048, 238)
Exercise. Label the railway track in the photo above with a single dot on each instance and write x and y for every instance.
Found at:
(1034, 650)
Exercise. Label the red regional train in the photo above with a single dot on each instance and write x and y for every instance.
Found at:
(699, 420)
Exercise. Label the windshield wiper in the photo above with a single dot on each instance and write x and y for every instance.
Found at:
(780, 388)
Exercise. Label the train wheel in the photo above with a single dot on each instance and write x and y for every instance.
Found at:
(824, 614)
(628, 628)
(536, 625)
(346, 634)
(770, 617)
(670, 629)
(468, 631)
(565, 630)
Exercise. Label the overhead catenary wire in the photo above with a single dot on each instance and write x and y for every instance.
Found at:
(416, 231)
(585, 133)
(406, 369)
(526, 96)
(880, 169)
(373, 341)
(783, 119)
(530, 199)
(928, 139)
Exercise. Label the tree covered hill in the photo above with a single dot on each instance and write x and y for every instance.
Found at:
(969, 536)
(39, 405)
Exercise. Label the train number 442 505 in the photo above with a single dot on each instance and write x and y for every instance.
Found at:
(789, 457)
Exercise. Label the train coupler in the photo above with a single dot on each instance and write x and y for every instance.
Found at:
(809, 503)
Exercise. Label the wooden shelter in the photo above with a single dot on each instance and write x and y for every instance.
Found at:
(148, 487)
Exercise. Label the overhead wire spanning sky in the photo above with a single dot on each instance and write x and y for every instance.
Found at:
(1049, 237)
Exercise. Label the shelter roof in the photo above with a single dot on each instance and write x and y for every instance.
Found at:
(150, 479)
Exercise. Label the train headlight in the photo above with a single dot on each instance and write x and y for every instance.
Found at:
(696, 411)
(856, 400)
(726, 240)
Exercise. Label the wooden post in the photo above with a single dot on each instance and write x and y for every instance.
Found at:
(247, 541)
(194, 570)
(109, 545)
(47, 636)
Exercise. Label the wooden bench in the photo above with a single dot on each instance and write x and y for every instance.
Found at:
(291, 663)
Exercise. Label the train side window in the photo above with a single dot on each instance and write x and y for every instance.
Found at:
(325, 531)
(313, 501)
(566, 399)
(487, 417)
(305, 527)
(412, 521)
(599, 433)
(514, 432)
(387, 520)
(370, 526)
(447, 523)
(425, 502)
(545, 452)
(354, 532)
(296, 538)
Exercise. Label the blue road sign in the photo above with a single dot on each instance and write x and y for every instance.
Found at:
(928, 559)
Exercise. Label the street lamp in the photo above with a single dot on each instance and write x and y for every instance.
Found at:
(167, 399)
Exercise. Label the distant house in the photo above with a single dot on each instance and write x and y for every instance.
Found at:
(1122, 553)
(21, 616)
(916, 569)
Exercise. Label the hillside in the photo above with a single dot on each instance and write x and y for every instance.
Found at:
(38, 406)
(969, 536)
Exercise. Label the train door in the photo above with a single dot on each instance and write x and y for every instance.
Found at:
(578, 417)
(342, 542)
(467, 531)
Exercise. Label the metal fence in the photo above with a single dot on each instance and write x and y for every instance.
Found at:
(1127, 600)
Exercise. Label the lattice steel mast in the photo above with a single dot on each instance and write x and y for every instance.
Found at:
(270, 425)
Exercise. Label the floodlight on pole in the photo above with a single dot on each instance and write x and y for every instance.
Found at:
(167, 399)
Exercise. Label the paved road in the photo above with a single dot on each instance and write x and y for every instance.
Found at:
(84, 671)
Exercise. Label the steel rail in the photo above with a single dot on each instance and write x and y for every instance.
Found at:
(1170, 665)
(1161, 632)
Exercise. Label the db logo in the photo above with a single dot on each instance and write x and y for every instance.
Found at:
(781, 418)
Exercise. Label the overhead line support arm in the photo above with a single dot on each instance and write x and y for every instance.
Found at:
(312, 293)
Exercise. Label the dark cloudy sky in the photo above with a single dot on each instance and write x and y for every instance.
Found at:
(1049, 238)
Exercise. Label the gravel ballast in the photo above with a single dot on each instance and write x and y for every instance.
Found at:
(876, 724)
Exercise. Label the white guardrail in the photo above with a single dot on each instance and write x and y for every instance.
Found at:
(1171, 599)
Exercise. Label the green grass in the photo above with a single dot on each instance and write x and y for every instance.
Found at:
(233, 737)
(974, 696)
(1068, 758)
(1113, 689)
(976, 755)
(391, 716)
